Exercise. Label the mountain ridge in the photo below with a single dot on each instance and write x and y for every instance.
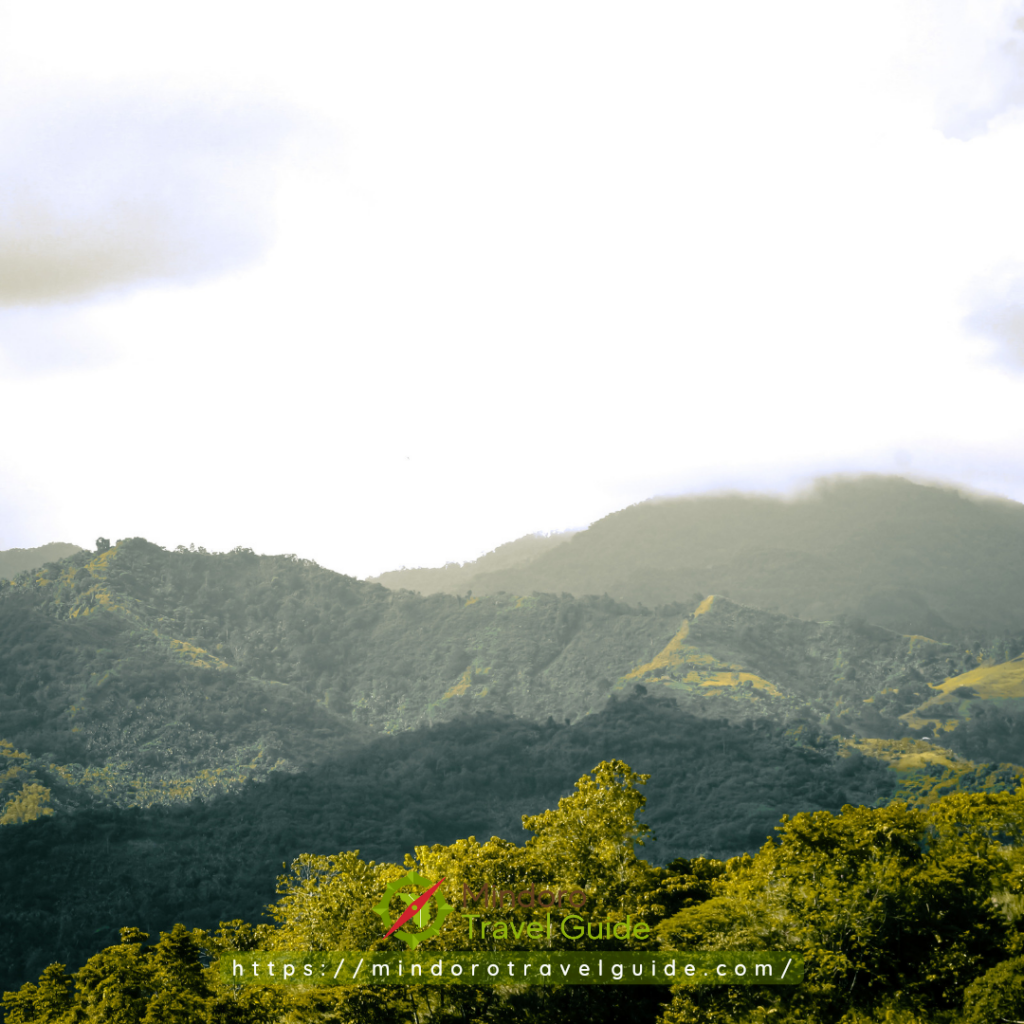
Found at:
(913, 558)
(187, 662)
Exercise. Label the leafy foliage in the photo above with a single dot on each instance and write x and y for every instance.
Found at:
(716, 790)
(895, 910)
(900, 915)
(180, 724)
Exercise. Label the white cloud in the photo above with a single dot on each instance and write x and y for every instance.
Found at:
(971, 56)
(44, 341)
(997, 313)
(576, 255)
(101, 190)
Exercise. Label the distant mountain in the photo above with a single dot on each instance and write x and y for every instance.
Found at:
(15, 560)
(456, 578)
(909, 557)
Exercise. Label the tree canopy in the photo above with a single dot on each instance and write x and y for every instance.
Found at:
(900, 914)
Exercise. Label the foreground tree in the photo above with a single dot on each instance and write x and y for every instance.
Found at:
(894, 910)
(900, 915)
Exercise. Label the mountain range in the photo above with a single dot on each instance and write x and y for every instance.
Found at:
(189, 716)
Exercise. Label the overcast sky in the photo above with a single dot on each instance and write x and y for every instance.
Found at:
(389, 284)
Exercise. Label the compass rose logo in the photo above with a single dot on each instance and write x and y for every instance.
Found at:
(417, 908)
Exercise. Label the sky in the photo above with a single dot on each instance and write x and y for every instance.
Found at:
(391, 284)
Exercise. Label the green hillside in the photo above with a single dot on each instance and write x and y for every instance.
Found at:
(175, 663)
(166, 659)
(175, 724)
(915, 559)
(137, 676)
(179, 662)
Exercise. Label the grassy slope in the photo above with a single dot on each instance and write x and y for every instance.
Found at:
(795, 666)
(926, 771)
(959, 696)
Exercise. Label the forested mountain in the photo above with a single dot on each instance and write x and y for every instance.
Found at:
(16, 560)
(180, 663)
(166, 658)
(909, 557)
(176, 724)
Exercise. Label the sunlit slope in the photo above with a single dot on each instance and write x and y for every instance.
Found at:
(912, 558)
(684, 668)
(991, 682)
(926, 771)
(856, 679)
(957, 698)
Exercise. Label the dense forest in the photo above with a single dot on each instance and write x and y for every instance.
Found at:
(899, 914)
(108, 634)
(183, 662)
(909, 557)
(718, 790)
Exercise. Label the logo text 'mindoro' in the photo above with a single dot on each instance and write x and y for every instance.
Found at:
(493, 898)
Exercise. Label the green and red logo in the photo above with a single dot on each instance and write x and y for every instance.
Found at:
(419, 903)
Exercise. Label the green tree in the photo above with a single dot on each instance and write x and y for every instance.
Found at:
(997, 995)
(51, 1000)
(591, 835)
(891, 909)
(326, 901)
(115, 985)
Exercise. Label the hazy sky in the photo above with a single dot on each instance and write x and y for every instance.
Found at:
(392, 283)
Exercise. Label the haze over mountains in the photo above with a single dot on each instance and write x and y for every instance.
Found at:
(909, 557)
